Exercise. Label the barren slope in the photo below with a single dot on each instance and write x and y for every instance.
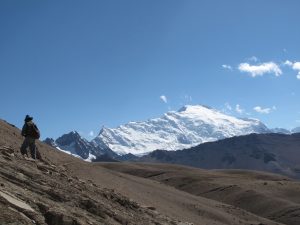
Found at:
(66, 190)
(267, 195)
(45, 192)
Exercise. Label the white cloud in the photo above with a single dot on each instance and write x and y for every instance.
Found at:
(295, 66)
(228, 67)
(92, 134)
(261, 69)
(163, 98)
(259, 109)
(238, 109)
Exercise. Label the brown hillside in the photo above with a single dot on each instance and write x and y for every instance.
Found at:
(65, 190)
(264, 194)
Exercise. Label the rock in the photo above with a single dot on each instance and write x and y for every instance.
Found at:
(54, 217)
(151, 208)
(15, 201)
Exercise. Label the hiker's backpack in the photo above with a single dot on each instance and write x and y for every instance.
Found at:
(35, 132)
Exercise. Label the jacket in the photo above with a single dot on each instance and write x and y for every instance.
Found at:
(27, 129)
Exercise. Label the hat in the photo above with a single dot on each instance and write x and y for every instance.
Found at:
(28, 118)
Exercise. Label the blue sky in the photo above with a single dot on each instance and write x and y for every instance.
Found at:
(79, 65)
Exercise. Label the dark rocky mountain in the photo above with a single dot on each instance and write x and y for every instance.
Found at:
(51, 142)
(127, 157)
(76, 145)
(280, 131)
(276, 153)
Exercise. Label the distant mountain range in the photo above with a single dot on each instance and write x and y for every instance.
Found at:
(277, 153)
(175, 130)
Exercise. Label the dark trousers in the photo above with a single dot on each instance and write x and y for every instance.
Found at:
(29, 142)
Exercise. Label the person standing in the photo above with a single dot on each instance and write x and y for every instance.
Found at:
(30, 132)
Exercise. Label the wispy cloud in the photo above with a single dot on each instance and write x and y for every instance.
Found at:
(238, 109)
(288, 63)
(187, 98)
(253, 59)
(91, 133)
(163, 98)
(227, 67)
(262, 110)
(260, 69)
(228, 106)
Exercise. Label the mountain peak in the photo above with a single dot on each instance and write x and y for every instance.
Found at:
(74, 134)
(187, 108)
(190, 126)
(69, 138)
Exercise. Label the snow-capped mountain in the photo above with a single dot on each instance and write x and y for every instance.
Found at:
(190, 126)
(72, 143)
